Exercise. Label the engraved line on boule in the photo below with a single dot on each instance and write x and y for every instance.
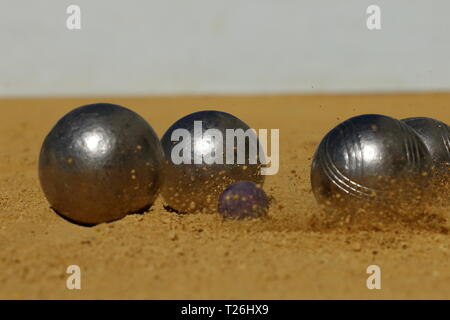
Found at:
(356, 141)
(446, 138)
(343, 133)
(411, 146)
(340, 180)
(418, 141)
(337, 177)
(406, 143)
(417, 163)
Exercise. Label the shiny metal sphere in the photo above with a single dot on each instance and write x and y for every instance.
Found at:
(436, 136)
(99, 163)
(370, 161)
(190, 187)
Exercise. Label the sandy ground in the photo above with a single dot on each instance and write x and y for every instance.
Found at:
(162, 255)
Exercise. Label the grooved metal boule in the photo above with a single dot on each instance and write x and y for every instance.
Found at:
(99, 163)
(436, 136)
(370, 161)
(191, 187)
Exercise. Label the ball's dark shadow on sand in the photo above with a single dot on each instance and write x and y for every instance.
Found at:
(82, 224)
(172, 210)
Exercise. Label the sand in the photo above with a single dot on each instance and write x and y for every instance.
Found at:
(162, 255)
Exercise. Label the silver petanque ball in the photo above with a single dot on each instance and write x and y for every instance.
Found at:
(436, 136)
(99, 163)
(370, 162)
(196, 169)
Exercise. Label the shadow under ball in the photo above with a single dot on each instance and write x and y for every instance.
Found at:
(370, 161)
(99, 163)
(190, 187)
(436, 136)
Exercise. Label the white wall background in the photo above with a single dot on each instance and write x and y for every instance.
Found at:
(227, 46)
